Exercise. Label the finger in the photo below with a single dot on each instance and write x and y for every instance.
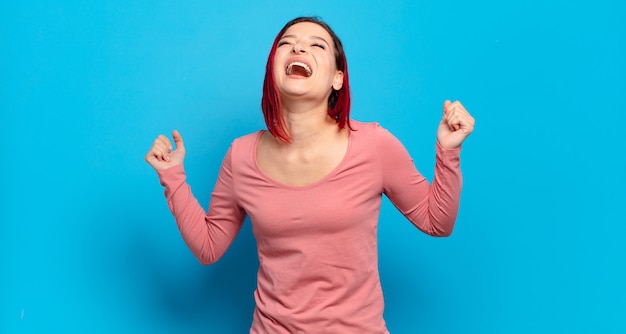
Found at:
(456, 104)
(453, 124)
(446, 105)
(458, 111)
(163, 140)
(454, 119)
(150, 157)
(178, 139)
(160, 154)
(462, 122)
(161, 148)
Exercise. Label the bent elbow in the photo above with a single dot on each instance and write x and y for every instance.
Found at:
(205, 262)
(442, 230)
(442, 226)
(443, 233)
(207, 259)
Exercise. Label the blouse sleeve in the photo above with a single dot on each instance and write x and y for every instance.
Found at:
(431, 208)
(207, 235)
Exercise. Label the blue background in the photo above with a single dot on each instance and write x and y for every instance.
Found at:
(87, 243)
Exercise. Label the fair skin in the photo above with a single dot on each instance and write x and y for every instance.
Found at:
(317, 144)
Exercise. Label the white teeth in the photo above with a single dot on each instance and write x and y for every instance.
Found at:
(297, 63)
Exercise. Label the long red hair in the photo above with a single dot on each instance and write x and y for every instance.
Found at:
(338, 101)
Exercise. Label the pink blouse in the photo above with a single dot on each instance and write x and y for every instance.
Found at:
(317, 244)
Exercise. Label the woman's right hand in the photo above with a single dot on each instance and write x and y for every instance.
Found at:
(162, 155)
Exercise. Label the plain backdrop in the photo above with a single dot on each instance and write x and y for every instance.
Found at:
(87, 244)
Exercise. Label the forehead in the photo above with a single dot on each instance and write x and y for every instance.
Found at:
(307, 29)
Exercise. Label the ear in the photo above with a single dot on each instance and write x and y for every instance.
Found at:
(338, 80)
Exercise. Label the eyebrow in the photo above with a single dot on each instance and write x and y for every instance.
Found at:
(313, 37)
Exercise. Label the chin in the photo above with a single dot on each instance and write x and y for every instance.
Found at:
(295, 89)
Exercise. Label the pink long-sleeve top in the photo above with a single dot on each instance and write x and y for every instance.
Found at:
(317, 244)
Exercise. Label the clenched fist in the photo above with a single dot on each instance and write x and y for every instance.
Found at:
(456, 124)
(162, 155)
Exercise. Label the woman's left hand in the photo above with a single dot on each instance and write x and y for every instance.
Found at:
(456, 124)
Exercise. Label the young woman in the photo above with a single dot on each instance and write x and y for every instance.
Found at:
(312, 185)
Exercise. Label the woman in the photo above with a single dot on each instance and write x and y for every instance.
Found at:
(312, 185)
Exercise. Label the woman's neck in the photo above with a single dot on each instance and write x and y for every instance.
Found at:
(308, 125)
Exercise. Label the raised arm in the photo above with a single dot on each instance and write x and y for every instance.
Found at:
(207, 234)
(431, 208)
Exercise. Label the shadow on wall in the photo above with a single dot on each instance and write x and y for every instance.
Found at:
(216, 297)
(146, 278)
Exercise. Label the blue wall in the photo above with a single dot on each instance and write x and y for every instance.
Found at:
(87, 243)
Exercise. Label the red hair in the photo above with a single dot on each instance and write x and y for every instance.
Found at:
(338, 101)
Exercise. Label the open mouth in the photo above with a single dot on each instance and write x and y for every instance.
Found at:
(299, 69)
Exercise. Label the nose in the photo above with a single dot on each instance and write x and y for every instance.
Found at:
(297, 48)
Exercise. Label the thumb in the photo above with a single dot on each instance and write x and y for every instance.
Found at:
(178, 139)
(445, 105)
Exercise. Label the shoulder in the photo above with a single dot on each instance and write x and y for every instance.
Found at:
(363, 126)
(242, 148)
(378, 140)
(365, 130)
(246, 143)
(371, 132)
(248, 140)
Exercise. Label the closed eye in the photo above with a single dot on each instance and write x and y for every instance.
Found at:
(322, 46)
(283, 42)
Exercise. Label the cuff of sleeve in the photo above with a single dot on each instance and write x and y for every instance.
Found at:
(448, 151)
(171, 175)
